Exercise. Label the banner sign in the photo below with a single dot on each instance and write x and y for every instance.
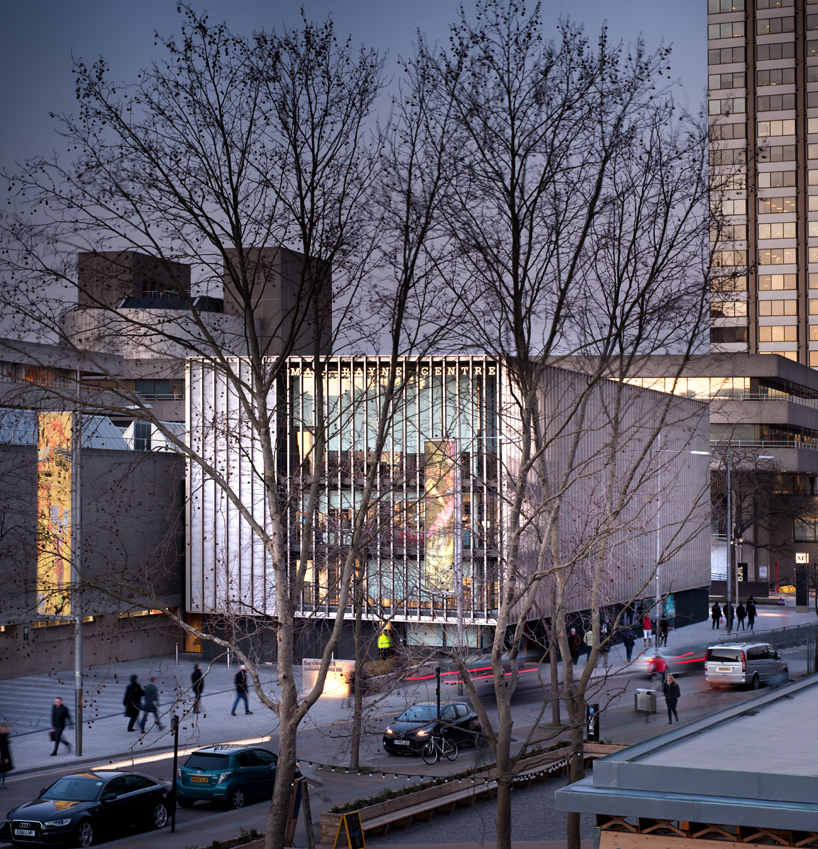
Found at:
(54, 491)
(440, 514)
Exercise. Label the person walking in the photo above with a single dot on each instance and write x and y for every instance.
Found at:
(647, 630)
(241, 690)
(197, 685)
(604, 643)
(385, 642)
(672, 693)
(6, 764)
(658, 670)
(60, 718)
(751, 613)
(715, 612)
(574, 644)
(664, 627)
(628, 641)
(740, 614)
(151, 705)
(727, 610)
(133, 701)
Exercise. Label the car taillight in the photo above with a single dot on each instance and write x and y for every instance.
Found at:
(179, 773)
(743, 662)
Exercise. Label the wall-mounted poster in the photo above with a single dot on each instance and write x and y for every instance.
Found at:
(54, 513)
(440, 514)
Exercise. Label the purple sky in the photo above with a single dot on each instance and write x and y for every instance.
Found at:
(38, 37)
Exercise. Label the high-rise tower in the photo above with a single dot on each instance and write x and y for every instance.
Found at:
(763, 103)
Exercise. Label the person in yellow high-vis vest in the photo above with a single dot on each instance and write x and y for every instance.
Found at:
(385, 642)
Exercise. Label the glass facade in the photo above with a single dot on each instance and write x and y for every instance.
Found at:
(435, 518)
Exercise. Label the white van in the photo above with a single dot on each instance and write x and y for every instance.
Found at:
(744, 664)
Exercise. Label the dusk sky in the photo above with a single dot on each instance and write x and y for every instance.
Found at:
(38, 38)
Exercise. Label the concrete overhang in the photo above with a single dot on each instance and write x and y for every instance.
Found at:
(746, 765)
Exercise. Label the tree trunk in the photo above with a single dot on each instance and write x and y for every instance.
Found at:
(577, 767)
(502, 816)
(285, 769)
(553, 660)
(358, 685)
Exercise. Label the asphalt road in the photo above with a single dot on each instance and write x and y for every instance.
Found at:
(618, 723)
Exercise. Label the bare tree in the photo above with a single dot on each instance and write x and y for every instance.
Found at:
(217, 158)
(577, 225)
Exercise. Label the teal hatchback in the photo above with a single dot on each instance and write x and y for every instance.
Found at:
(228, 774)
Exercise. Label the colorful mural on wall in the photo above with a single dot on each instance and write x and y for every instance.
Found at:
(54, 489)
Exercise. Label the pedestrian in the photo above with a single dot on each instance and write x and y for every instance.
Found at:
(151, 705)
(727, 610)
(574, 645)
(197, 684)
(658, 669)
(133, 701)
(647, 630)
(663, 630)
(672, 693)
(60, 717)
(715, 612)
(629, 642)
(385, 642)
(751, 612)
(241, 690)
(6, 764)
(740, 614)
(604, 643)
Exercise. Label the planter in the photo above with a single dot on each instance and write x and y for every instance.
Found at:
(442, 798)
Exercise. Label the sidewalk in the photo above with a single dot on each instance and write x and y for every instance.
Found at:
(25, 704)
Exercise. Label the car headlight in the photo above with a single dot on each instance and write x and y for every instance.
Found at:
(389, 730)
(422, 732)
(223, 777)
(10, 814)
(58, 823)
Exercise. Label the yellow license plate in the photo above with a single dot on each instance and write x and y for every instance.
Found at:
(199, 779)
(725, 669)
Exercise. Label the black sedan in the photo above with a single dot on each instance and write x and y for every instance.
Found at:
(410, 731)
(80, 808)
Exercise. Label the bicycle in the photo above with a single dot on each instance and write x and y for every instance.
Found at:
(438, 747)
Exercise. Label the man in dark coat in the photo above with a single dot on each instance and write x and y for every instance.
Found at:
(751, 613)
(151, 705)
(574, 644)
(727, 610)
(628, 641)
(60, 717)
(197, 684)
(241, 690)
(715, 612)
(672, 692)
(6, 764)
(740, 614)
(133, 701)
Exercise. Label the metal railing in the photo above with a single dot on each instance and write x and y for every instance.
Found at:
(791, 635)
(807, 445)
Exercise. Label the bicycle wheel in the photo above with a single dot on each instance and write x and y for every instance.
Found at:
(450, 749)
(430, 752)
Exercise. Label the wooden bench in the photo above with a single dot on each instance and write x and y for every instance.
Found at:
(422, 805)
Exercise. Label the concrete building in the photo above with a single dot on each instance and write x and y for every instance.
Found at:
(437, 539)
(132, 536)
(746, 774)
(761, 407)
(763, 106)
(147, 312)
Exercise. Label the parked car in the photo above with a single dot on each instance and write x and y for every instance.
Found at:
(227, 774)
(411, 730)
(83, 807)
(748, 664)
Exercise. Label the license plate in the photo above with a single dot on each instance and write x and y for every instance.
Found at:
(401, 742)
(24, 832)
(199, 779)
(723, 669)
